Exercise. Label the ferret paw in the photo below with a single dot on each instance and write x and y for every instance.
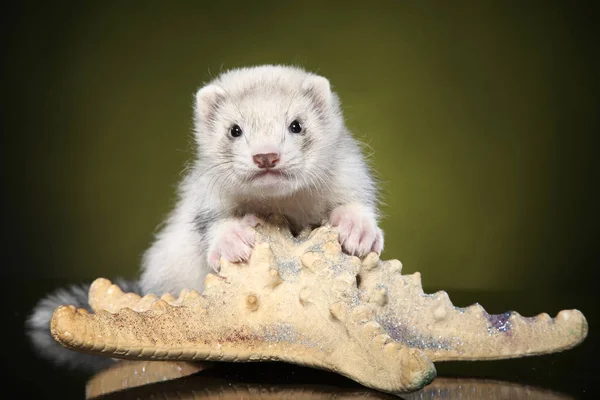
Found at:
(234, 241)
(359, 234)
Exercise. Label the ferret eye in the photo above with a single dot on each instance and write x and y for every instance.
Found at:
(236, 131)
(295, 127)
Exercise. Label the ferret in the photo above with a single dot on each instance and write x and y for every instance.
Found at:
(271, 141)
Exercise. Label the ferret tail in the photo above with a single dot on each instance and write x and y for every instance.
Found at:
(37, 327)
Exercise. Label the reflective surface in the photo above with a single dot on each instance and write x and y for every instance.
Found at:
(172, 380)
(567, 375)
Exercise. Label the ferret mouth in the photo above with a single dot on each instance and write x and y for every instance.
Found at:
(269, 172)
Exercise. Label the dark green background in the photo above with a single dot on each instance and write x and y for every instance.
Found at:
(482, 118)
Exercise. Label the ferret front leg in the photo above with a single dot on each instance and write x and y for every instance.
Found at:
(232, 239)
(359, 233)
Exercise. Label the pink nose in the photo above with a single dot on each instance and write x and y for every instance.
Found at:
(266, 160)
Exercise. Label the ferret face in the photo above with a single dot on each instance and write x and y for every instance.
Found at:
(268, 131)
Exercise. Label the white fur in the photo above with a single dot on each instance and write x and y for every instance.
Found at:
(38, 327)
(325, 176)
(232, 239)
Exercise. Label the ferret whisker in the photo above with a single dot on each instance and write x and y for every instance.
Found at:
(204, 172)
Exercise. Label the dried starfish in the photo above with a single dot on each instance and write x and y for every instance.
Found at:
(301, 300)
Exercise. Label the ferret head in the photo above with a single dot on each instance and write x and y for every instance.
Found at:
(268, 131)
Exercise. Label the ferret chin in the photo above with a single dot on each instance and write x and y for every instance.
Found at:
(270, 140)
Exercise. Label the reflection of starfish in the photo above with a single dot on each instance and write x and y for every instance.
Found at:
(161, 379)
(301, 300)
(181, 380)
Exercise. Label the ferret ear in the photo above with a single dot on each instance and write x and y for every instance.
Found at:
(208, 100)
(319, 89)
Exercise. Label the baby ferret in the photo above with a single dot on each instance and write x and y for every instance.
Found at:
(270, 140)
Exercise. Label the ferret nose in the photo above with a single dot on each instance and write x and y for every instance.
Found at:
(266, 160)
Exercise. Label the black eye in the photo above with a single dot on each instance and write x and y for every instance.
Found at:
(295, 127)
(236, 131)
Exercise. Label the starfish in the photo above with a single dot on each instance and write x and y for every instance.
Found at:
(302, 300)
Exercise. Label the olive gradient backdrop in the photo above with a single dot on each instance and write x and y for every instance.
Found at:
(482, 118)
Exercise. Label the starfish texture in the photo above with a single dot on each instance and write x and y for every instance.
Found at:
(302, 300)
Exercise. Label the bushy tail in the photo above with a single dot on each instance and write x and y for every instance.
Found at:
(38, 326)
